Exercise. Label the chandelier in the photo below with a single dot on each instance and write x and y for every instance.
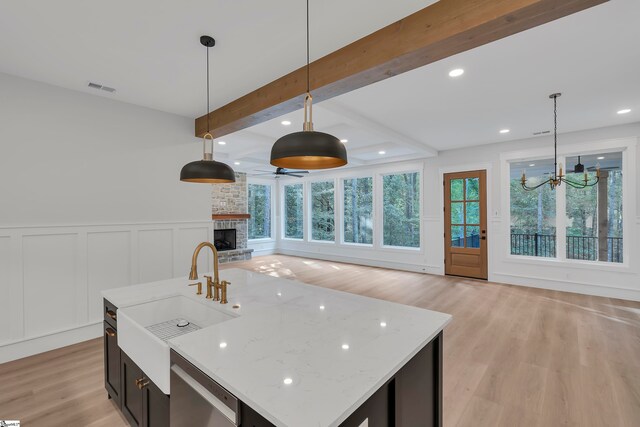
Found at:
(557, 177)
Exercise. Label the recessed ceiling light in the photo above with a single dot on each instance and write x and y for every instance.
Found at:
(288, 381)
(285, 122)
(504, 131)
(322, 307)
(601, 158)
(624, 111)
(222, 143)
(383, 324)
(223, 345)
(279, 294)
(531, 165)
(344, 140)
(345, 346)
(382, 152)
(457, 72)
(236, 163)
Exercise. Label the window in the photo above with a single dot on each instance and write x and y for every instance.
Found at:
(594, 214)
(401, 210)
(322, 211)
(259, 201)
(293, 211)
(358, 207)
(591, 227)
(533, 213)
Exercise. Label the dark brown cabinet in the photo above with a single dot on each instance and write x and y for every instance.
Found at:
(112, 363)
(143, 403)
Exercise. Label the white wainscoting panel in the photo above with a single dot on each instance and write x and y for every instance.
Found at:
(5, 287)
(51, 276)
(49, 270)
(188, 239)
(108, 266)
(155, 255)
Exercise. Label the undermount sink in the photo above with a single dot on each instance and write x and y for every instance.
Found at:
(144, 328)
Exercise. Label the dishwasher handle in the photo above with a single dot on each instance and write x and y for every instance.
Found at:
(216, 403)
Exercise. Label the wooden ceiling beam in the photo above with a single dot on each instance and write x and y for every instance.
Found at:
(443, 29)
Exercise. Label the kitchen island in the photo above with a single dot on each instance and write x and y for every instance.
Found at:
(292, 354)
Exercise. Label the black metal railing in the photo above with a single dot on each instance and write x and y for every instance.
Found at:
(473, 241)
(578, 247)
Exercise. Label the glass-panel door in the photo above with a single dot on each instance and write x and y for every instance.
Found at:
(465, 224)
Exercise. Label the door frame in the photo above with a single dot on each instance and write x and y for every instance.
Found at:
(492, 216)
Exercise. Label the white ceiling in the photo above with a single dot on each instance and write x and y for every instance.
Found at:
(149, 51)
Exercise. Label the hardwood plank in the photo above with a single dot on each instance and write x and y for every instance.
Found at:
(438, 31)
(504, 353)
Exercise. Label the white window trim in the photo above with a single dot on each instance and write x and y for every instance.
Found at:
(628, 147)
(272, 208)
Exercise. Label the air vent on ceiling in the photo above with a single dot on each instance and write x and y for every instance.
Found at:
(101, 87)
(542, 132)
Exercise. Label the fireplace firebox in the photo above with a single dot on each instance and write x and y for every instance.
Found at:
(224, 240)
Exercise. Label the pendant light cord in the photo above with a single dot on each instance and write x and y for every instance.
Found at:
(555, 135)
(208, 126)
(308, 84)
(204, 139)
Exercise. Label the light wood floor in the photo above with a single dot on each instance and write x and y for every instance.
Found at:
(514, 356)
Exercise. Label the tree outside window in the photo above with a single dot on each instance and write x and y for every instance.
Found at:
(358, 209)
(259, 204)
(293, 212)
(322, 211)
(401, 210)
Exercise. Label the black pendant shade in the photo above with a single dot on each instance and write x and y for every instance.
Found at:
(308, 150)
(207, 172)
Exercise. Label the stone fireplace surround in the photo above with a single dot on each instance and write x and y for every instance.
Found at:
(231, 199)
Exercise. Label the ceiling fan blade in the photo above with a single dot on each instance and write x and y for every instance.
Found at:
(259, 170)
(297, 171)
(261, 174)
(293, 174)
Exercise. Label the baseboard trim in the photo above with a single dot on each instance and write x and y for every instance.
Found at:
(30, 346)
(263, 252)
(356, 260)
(566, 286)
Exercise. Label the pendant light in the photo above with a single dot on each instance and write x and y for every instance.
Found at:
(557, 178)
(207, 170)
(308, 149)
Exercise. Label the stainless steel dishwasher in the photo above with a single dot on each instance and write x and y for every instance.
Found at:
(197, 400)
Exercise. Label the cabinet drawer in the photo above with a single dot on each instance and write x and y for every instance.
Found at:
(110, 314)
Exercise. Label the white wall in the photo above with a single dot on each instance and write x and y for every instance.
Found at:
(90, 198)
(621, 281)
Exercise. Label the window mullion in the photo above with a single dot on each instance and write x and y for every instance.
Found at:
(561, 216)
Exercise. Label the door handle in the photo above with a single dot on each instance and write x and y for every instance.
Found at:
(111, 314)
(110, 332)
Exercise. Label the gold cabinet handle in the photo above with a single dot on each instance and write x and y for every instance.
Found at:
(111, 314)
(142, 383)
(110, 332)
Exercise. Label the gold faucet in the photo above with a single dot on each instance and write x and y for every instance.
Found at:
(211, 283)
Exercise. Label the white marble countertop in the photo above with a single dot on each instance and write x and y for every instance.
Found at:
(299, 355)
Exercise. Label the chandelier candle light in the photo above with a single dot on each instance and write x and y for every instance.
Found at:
(558, 178)
(207, 170)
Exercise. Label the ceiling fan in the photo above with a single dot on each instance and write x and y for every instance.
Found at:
(283, 172)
